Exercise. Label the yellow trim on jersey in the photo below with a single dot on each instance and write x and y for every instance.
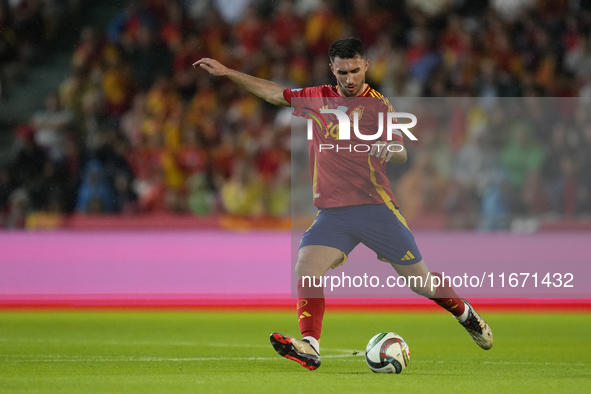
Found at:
(386, 197)
(388, 104)
(379, 188)
(377, 94)
(315, 179)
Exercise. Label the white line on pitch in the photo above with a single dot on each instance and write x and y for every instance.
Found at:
(60, 358)
(63, 358)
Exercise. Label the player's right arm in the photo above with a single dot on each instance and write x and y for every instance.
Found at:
(267, 90)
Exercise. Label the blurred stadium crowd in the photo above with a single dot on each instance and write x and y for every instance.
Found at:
(26, 29)
(135, 129)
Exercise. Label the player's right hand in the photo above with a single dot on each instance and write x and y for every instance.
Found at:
(211, 66)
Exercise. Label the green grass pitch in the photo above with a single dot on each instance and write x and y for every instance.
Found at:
(227, 352)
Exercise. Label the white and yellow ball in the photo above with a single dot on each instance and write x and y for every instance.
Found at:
(387, 352)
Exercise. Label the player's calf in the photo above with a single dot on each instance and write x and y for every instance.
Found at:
(445, 296)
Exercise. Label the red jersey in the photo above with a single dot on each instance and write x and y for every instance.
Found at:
(343, 172)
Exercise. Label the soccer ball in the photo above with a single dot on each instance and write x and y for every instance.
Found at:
(387, 352)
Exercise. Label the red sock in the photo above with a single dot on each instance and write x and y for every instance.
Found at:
(446, 297)
(310, 309)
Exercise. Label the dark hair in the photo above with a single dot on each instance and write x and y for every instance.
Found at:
(346, 48)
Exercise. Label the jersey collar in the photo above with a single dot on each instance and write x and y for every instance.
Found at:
(363, 94)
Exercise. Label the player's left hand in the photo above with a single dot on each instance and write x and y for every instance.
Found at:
(384, 150)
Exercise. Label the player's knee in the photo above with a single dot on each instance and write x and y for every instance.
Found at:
(306, 267)
(309, 267)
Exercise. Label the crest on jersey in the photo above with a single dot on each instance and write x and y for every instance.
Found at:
(358, 110)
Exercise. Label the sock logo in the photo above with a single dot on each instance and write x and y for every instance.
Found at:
(448, 305)
(303, 315)
(302, 303)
